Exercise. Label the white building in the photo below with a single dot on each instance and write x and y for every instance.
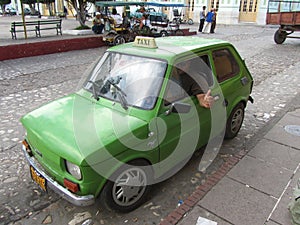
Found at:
(228, 11)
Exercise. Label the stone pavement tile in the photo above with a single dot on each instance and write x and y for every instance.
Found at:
(281, 155)
(295, 113)
(237, 203)
(266, 177)
(270, 222)
(279, 134)
(192, 217)
(281, 214)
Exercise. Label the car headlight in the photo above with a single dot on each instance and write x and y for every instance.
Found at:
(74, 170)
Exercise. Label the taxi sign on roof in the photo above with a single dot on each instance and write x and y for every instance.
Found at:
(146, 42)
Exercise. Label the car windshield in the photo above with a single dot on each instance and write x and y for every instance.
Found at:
(130, 80)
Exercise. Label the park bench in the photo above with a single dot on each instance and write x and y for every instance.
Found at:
(35, 26)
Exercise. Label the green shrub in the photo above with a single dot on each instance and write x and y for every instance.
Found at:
(85, 27)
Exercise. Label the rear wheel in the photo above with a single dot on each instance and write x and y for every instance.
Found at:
(153, 31)
(179, 32)
(128, 188)
(235, 121)
(119, 39)
(190, 22)
(280, 36)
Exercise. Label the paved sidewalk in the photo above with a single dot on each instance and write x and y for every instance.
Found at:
(5, 37)
(254, 186)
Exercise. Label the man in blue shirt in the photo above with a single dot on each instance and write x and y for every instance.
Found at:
(208, 22)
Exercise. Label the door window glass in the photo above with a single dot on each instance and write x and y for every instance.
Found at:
(189, 78)
(225, 64)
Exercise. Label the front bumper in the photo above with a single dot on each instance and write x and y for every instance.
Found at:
(56, 187)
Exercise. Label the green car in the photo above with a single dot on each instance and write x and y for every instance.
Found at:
(143, 110)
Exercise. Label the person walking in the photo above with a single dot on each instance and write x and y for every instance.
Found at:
(208, 21)
(202, 18)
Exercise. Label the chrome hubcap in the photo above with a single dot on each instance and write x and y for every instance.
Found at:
(129, 186)
(236, 120)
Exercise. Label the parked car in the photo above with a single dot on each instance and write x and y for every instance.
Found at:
(10, 11)
(27, 11)
(132, 124)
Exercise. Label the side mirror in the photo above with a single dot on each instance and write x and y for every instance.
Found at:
(179, 107)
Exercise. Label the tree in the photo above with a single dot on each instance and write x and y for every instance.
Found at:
(3, 3)
(80, 7)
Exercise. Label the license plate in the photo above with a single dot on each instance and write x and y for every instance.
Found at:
(38, 178)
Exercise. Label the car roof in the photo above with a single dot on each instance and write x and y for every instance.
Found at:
(168, 47)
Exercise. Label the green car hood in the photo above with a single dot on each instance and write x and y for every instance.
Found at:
(75, 128)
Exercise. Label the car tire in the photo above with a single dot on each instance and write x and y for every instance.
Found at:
(179, 32)
(164, 33)
(119, 39)
(280, 36)
(125, 198)
(175, 20)
(153, 30)
(235, 121)
(145, 31)
(190, 22)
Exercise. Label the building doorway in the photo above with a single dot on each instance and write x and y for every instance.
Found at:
(248, 10)
(214, 4)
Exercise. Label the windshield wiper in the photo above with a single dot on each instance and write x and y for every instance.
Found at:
(95, 95)
(121, 94)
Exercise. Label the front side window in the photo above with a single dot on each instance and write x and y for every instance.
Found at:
(189, 78)
(131, 80)
(225, 64)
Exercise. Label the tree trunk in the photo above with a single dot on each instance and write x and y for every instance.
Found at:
(80, 7)
(32, 9)
(82, 13)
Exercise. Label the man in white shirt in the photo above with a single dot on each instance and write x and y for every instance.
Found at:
(202, 18)
(118, 20)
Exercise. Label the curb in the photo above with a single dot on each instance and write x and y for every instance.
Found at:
(177, 214)
(49, 47)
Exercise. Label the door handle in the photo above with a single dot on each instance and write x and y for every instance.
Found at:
(216, 97)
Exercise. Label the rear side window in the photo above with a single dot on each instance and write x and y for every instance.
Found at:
(225, 64)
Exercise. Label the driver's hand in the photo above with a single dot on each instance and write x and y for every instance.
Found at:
(206, 100)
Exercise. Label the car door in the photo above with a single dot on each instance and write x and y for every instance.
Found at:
(181, 132)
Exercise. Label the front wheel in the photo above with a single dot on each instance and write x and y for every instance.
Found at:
(128, 188)
(164, 33)
(235, 121)
(145, 30)
(280, 36)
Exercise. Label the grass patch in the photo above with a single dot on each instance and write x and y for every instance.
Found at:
(85, 27)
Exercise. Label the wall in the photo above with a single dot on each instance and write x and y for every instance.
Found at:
(49, 47)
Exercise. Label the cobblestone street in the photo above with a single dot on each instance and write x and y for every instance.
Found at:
(27, 83)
